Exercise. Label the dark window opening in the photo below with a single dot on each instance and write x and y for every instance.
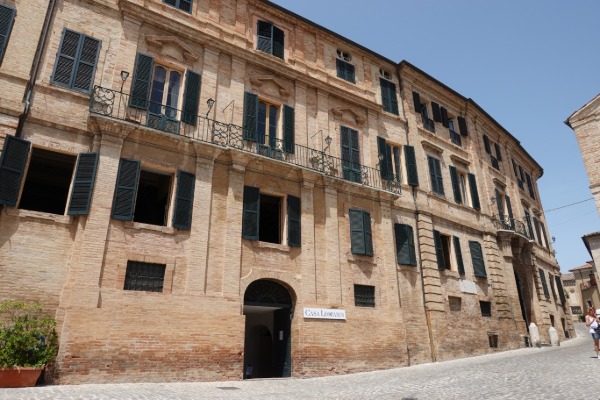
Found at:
(183, 5)
(144, 276)
(446, 250)
(270, 219)
(152, 198)
(48, 181)
(493, 339)
(364, 296)
(552, 320)
(455, 303)
(486, 308)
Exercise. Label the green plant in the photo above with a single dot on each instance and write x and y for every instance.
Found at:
(27, 336)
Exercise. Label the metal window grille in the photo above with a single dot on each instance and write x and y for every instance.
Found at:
(144, 276)
(364, 296)
(486, 308)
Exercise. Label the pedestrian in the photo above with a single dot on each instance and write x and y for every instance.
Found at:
(591, 322)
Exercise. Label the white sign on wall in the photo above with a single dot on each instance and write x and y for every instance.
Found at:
(468, 286)
(322, 313)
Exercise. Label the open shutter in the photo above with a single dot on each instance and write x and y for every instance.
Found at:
(293, 209)
(543, 229)
(459, 257)
(250, 116)
(552, 289)
(411, 166)
(265, 36)
(251, 213)
(12, 167)
(486, 144)
(66, 58)
(385, 166)
(462, 126)
(125, 190)
(537, 231)
(278, 42)
(500, 205)
(544, 283)
(561, 292)
(498, 154)
(511, 218)
(340, 68)
(83, 184)
(191, 98)
(184, 200)
(386, 99)
(7, 16)
(86, 64)
(350, 74)
(357, 232)
(445, 118)
(142, 80)
(435, 108)
(530, 186)
(477, 259)
(405, 246)
(393, 98)
(439, 250)
(417, 102)
(529, 226)
(368, 234)
(474, 192)
(288, 129)
(455, 186)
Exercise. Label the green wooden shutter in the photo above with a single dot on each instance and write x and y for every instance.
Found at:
(458, 253)
(498, 154)
(251, 213)
(191, 98)
(477, 259)
(393, 98)
(184, 200)
(543, 229)
(385, 166)
(86, 64)
(265, 37)
(462, 126)
(435, 108)
(538, 234)
(350, 74)
(294, 233)
(126, 189)
(500, 205)
(544, 283)
(250, 116)
(439, 250)
(142, 80)
(405, 246)
(435, 173)
(386, 100)
(83, 184)
(340, 67)
(530, 186)
(417, 102)
(530, 228)
(552, 289)
(455, 185)
(511, 217)
(66, 58)
(288, 129)
(368, 234)
(411, 166)
(76, 61)
(7, 16)
(486, 144)
(12, 167)
(278, 42)
(357, 232)
(561, 292)
(445, 119)
(474, 192)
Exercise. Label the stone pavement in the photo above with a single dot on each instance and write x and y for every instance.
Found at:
(570, 371)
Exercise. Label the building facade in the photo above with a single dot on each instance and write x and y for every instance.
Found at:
(226, 190)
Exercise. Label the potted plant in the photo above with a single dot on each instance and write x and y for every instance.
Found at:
(28, 341)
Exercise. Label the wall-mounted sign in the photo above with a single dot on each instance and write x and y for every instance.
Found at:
(323, 313)
(468, 286)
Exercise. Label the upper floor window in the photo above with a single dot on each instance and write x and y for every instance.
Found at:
(183, 5)
(505, 214)
(445, 246)
(388, 96)
(422, 109)
(389, 160)
(477, 259)
(384, 74)
(270, 39)
(361, 240)
(435, 174)
(76, 61)
(519, 174)
(464, 187)
(351, 167)
(530, 185)
(7, 16)
(345, 70)
(493, 149)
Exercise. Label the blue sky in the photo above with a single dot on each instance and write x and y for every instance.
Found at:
(529, 64)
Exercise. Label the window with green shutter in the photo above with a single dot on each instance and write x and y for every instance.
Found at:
(76, 61)
(288, 129)
(544, 283)
(361, 241)
(7, 17)
(294, 227)
(83, 184)
(511, 217)
(351, 167)
(184, 200)
(345, 70)
(126, 189)
(191, 98)
(456, 188)
(13, 161)
(250, 213)
(270, 39)
(561, 292)
(411, 166)
(537, 231)
(551, 279)
(388, 96)
(474, 192)
(435, 174)
(477, 259)
(529, 226)
(442, 250)
(405, 245)
(142, 81)
(459, 258)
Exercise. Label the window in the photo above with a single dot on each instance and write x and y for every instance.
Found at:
(493, 149)
(158, 89)
(505, 215)
(405, 245)
(544, 283)
(493, 339)
(384, 74)
(458, 253)
(270, 39)
(442, 250)
(435, 175)
(477, 259)
(412, 177)
(530, 186)
(455, 303)
(76, 61)
(361, 240)
(183, 5)
(529, 226)
(459, 186)
(50, 176)
(145, 277)
(263, 221)
(551, 279)
(388, 96)
(143, 195)
(389, 160)
(352, 169)
(561, 292)
(454, 137)
(517, 174)
(364, 296)
(486, 308)
(421, 108)
(270, 126)
(7, 16)
(345, 70)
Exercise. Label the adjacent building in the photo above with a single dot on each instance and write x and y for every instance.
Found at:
(226, 190)
(582, 288)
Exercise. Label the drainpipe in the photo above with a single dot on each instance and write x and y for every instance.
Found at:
(35, 67)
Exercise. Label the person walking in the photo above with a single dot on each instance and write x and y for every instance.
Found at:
(591, 322)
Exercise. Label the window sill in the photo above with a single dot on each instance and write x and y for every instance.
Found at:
(362, 258)
(268, 245)
(149, 227)
(59, 219)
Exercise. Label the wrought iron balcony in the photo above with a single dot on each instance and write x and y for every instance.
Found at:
(455, 138)
(428, 123)
(115, 104)
(504, 222)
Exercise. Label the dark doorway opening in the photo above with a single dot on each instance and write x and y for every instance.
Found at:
(152, 199)
(267, 342)
(270, 219)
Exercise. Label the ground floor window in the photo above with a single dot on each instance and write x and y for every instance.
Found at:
(364, 296)
(145, 277)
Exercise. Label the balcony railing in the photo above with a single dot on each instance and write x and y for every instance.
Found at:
(428, 123)
(504, 222)
(455, 138)
(114, 104)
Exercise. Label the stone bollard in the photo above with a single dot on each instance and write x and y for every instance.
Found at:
(534, 335)
(554, 338)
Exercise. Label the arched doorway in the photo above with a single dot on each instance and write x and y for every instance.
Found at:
(267, 346)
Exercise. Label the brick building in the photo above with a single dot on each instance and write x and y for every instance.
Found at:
(226, 190)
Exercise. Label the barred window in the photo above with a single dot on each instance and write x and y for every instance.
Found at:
(364, 296)
(486, 308)
(144, 276)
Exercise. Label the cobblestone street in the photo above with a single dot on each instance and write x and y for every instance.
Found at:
(566, 372)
